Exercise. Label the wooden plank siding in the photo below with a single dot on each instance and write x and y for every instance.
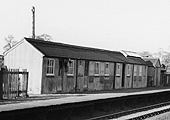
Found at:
(60, 81)
(101, 81)
(118, 76)
(81, 84)
(140, 77)
(157, 76)
(24, 56)
(128, 75)
(49, 82)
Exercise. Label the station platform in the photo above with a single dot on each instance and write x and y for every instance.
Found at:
(44, 100)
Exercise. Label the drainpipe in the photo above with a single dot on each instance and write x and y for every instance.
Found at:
(76, 74)
(114, 79)
(1, 84)
(132, 74)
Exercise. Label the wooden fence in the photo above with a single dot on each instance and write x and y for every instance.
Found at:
(15, 83)
(165, 79)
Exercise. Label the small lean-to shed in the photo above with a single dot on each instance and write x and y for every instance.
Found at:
(157, 69)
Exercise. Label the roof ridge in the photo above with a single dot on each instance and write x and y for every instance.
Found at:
(69, 45)
(54, 49)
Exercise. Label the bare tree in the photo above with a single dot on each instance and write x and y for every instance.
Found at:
(10, 42)
(166, 59)
(164, 56)
(146, 54)
(45, 37)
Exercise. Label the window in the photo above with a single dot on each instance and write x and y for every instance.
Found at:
(128, 70)
(140, 71)
(118, 69)
(96, 68)
(135, 70)
(86, 68)
(91, 68)
(70, 68)
(80, 68)
(50, 67)
(106, 69)
(144, 71)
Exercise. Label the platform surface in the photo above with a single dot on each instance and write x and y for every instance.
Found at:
(58, 99)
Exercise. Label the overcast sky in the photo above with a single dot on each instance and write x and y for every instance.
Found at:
(134, 25)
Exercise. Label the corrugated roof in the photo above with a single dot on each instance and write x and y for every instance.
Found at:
(137, 60)
(134, 57)
(54, 49)
(149, 63)
(130, 53)
(155, 61)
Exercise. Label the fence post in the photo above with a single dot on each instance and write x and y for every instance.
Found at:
(1, 84)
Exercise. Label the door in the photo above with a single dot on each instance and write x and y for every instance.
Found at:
(123, 76)
(60, 75)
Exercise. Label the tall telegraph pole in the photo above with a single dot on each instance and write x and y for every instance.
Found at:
(33, 22)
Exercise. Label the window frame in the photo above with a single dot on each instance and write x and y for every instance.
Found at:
(128, 70)
(140, 70)
(96, 74)
(118, 69)
(70, 74)
(106, 74)
(48, 67)
(135, 70)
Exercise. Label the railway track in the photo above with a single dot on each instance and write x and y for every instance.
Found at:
(132, 111)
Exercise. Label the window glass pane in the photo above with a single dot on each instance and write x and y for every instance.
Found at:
(106, 68)
(86, 68)
(47, 69)
(96, 68)
(52, 62)
(50, 66)
(140, 71)
(51, 70)
(118, 68)
(71, 67)
(135, 70)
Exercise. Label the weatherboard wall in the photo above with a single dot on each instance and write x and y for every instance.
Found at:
(128, 76)
(25, 56)
(49, 82)
(118, 76)
(139, 76)
(100, 81)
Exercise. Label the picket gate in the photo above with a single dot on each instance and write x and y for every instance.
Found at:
(15, 83)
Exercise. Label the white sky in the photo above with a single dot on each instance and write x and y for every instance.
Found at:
(133, 25)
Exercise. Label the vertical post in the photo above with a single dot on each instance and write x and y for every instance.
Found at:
(33, 22)
(27, 84)
(1, 84)
(132, 75)
(76, 75)
(114, 79)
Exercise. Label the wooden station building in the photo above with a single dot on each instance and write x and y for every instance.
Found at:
(56, 67)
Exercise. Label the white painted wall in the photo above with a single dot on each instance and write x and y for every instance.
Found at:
(25, 56)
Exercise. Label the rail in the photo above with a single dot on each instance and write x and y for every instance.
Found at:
(128, 112)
